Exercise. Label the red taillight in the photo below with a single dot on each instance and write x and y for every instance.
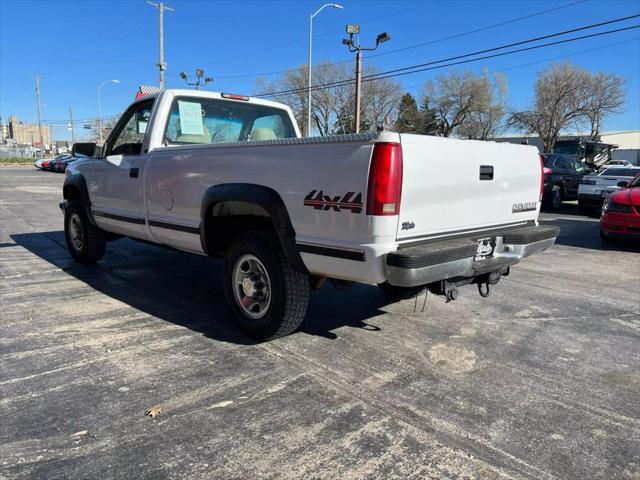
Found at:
(385, 180)
(542, 172)
(546, 171)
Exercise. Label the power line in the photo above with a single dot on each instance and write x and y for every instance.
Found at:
(409, 47)
(538, 62)
(416, 68)
(502, 47)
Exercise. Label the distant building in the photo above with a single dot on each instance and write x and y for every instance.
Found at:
(626, 144)
(26, 133)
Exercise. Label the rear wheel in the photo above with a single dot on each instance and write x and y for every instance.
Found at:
(555, 199)
(401, 293)
(86, 242)
(266, 296)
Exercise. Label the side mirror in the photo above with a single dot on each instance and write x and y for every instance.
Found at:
(623, 184)
(84, 149)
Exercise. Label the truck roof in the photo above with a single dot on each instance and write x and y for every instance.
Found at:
(176, 92)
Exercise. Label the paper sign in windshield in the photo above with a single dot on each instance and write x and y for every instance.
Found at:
(190, 118)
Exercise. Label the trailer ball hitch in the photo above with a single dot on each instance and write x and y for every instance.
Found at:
(451, 294)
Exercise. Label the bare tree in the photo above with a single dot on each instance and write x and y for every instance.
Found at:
(486, 118)
(453, 97)
(107, 127)
(296, 81)
(332, 107)
(568, 96)
(380, 99)
(605, 96)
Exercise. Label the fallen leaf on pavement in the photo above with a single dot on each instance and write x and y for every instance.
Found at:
(153, 411)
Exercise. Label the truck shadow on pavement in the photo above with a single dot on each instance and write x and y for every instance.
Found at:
(585, 233)
(187, 290)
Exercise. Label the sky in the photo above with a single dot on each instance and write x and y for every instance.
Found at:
(76, 45)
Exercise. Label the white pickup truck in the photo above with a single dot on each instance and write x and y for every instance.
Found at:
(229, 176)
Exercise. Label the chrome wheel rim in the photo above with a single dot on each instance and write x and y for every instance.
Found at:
(76, 232)
(251, 286)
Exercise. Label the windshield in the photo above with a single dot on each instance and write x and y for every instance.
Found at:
(195, 120)
(620, 172)
(569, 148)
(552, 158)
(635, 182)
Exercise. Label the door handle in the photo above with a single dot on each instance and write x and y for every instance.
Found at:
(486, 172)
(133, 173)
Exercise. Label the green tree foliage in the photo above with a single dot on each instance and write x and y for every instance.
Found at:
(409, 118)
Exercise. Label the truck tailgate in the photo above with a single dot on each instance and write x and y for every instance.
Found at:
(457, 186)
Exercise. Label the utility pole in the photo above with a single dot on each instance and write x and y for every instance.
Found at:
(161, 65)
(354, 46)
(73, 136)
(39, 117)
(358, 87)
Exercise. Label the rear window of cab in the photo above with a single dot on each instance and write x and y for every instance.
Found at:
(196, 120)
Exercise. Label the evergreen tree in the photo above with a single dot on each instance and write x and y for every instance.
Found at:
(429, 124)
(409, 120)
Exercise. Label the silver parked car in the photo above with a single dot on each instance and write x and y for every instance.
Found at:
(593, 189)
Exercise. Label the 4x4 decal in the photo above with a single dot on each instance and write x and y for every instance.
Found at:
(319, 201)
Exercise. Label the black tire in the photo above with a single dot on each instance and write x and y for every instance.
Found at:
(401, 293)
(584, 208)
(288, 289)
(605, 238)
(93, 240)
(554, 199)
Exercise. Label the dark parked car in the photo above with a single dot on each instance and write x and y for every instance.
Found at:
(562, 175)
(44, 163)
(60, 166)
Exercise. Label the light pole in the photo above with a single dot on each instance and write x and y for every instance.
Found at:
(100, 107)
(354, 46)
(334, 5)
(199, 78)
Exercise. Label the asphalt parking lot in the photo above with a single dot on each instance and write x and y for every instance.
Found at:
(539, 381)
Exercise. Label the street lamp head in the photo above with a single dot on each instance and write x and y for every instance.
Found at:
(383, 37)
(346, 41)
(335, 5)
(353, 29)
(199, 72)
(183, 75)
(208, 79)
(115, 81)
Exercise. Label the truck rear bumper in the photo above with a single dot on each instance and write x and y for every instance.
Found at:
(447, 259)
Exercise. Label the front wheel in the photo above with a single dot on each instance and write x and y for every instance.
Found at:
(604, 237)
(266, 296)
(86, 242)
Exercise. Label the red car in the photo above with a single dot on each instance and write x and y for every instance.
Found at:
(621, 213)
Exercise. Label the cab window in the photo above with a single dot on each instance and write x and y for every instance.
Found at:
(130, 131)
(197, 120)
